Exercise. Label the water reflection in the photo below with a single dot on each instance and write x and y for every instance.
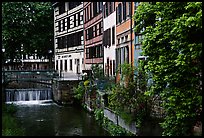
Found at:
(49, 119)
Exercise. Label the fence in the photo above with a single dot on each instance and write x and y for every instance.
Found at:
(116, 119)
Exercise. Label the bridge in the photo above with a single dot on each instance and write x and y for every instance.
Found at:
(38, 76)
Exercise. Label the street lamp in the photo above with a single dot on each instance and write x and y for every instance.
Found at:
(3, 51)
(3, 93)
(50, 58)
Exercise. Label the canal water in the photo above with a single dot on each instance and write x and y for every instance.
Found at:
(43, 117)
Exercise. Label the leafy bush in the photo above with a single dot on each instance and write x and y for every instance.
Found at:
(79, 91)
(173, 42)
(98, 113)
(10, 126)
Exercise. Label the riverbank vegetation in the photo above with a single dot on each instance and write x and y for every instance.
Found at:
(173, 43)
(10, 126)
(22, 29)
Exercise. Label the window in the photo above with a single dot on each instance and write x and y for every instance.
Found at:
(98, 50)
(113, 67)
(75, 20)
(107, 37)
(87, 34)
(95, 9)
(138, 39)
(73, 5)
(126, 50)
(85, 14)
(126, 38)
(117, 58)
(61, 7)
(61, 65)
(124, 10)
(88, 16)
(108, 67)
(90, 33)
(82, 39)
(116, 15)
(65, 65)
(79, 18)
(57, 65)
(122, 39)
(68, 23)
(113, 6)
(130, 5)
(113, 35)
(100, 28)
(64, 42)
(96, 30)
(71, 21)
(59, 42)
(100, 6)
(119, 13)
(59, 26)
(87, 53)
(101, 50)
(110, 7)
(106, 9)
(63, 25)
(70, 67)
(104, 12)
(90, 10)
(74, 39)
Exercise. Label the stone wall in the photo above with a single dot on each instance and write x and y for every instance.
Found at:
(119, 121)
(63, 91)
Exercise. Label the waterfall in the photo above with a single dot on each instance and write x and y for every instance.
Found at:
(28, 94)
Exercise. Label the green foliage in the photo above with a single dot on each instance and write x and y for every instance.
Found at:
(97, 71)
(10, 126)
(127, 117)
(27, 23)
(9, 109)
(113, 129)
(98, 113)
(86, 83)
(79, 91)
(173, 42)
(128, 98)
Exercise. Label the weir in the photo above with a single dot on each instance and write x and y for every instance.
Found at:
(28, 94)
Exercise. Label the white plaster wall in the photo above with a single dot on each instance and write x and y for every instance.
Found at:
(109, 22)
(68, 56)
(72, 53)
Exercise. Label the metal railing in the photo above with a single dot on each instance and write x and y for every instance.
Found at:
(28, 75)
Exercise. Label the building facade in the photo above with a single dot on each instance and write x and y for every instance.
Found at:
(124, 34)
(68, 38)
(109, 38)
(30, 62)
(90, 33)
(93, 34)
(137, 42)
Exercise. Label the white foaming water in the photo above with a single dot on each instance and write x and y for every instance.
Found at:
(32, 102)
(28, 96)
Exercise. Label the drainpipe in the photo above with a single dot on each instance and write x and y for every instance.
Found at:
(83, 35)
(131, 33)
(102, 38)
